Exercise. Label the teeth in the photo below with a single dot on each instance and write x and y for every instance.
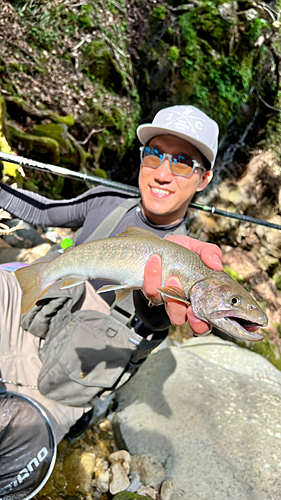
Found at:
(160, 191)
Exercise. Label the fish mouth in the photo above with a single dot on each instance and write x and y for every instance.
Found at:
(239, 327)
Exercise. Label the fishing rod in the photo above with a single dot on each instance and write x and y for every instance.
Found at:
(65, 172)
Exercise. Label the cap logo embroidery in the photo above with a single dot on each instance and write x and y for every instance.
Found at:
(183, 123)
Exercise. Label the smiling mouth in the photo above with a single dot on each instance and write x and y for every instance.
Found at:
(161, 192)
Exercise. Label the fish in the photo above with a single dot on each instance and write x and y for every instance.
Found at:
(216, 298)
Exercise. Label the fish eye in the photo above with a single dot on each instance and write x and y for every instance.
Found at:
(235, 300)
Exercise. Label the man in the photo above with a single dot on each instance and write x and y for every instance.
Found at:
(166, 191)
(177, 158)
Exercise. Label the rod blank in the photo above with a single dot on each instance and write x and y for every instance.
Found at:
(65, 172)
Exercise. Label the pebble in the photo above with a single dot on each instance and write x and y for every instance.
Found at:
(120, 480)
(147, 491)
(135, 483)
(122, 457)
(101, 471)
(166, 489)
(149, 468)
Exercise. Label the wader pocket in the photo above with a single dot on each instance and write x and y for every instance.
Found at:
(87, 355)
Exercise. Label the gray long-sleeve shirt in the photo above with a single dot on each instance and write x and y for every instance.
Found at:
(87, 211)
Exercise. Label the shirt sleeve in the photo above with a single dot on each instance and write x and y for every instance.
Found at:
(41, 211)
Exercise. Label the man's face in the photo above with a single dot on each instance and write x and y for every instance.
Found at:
(165, 196)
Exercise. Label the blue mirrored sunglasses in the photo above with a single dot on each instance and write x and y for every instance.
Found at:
(182, 165)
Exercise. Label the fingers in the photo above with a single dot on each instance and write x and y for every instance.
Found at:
(210, 254)
(177, 311)
(153, 279)
(197, 325)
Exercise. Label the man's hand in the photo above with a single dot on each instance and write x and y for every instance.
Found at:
(179, 312)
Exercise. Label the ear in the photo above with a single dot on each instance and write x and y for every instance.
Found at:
(205, 180)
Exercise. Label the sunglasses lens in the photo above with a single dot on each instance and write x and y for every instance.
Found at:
(180, 168)
(150, 159)
(180, 165)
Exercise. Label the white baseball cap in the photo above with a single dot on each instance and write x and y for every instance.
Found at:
(188, 123)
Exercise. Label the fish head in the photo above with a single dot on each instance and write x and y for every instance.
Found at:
(225, 304)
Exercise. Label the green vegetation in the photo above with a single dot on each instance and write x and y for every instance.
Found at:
(77, 56)
(218, 70)
(265, 349)
(159, 13)
(234, 274)
(174, 53)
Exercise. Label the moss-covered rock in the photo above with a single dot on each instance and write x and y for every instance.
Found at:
(74, 77)
(206, 53)
(35, 147)
(127, 495)
(58, 132)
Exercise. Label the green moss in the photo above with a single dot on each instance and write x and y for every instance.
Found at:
(44, 37)
(101, 173)
(265, 349)
(67, 120)
(234, 274)
(174, 53)
(37, 148)
(277, 279)
(159, 13)
(255, 29)
(105, 76)
(127, 495)
(99, 63)
(84, 18)
(57, 132)
(217, 72)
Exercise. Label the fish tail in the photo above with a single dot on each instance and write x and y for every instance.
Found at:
(28, 278)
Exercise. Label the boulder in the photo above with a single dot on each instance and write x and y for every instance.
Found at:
(210, 411)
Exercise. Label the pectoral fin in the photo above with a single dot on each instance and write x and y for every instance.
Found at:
(109, 288)
(174, 292)
(70, 282)
(121, 291)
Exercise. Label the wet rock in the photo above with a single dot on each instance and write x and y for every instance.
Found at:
(51, 235)
(127, 495)
(35, 147)
(120, 480)
(148, 491)
(31, 254)
(135, 482)
(9, 254)
(24, 237)
(149, 468)
(106, 425)
(4, 244)
(79, 468)
(101, 470)
(228, 10)
(87, 467)
(211, 412)
(122, 457)
(166, 490)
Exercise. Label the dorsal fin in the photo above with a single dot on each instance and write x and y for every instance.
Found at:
(138, 231)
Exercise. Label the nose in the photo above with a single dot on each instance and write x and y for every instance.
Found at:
(163, 173)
